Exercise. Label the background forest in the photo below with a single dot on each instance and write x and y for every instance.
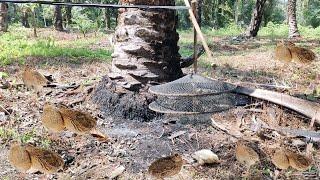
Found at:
(216, 14)
(218, 18)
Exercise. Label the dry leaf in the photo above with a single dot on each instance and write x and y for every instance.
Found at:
(117, 172)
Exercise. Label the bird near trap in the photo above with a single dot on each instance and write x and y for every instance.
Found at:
(246, 155)
(57, 119)
(28, 158)
(166, 167)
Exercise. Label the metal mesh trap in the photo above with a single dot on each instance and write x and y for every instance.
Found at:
(193, 94)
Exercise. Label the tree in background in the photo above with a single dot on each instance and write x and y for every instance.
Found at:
(68, 15)
(292, 19)
(199, 10)
(256, 19)
(146, 49)
(58, 21)
(311, 13)
(3, 17)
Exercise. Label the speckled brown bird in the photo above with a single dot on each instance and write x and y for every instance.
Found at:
(43, 160)
(280, 159)
(33, 79)
(298, 161)
(301, 55)
(57, 119)
(27, 158)
(282, 52)
(246, 155)
(166, 167)
(19, 157)
(52, 118)
(77, 121)
(289, 52)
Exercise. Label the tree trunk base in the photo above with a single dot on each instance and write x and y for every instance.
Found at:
(117, 102)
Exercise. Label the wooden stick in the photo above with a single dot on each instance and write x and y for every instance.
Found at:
(96, 5)
(307, 108)
(195, 40)
(197, 27)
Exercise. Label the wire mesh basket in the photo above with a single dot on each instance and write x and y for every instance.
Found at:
(192, 85)
(193, 94)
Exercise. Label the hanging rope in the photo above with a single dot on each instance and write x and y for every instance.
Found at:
(96, 5)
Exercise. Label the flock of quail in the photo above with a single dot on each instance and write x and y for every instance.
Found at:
(57, 118)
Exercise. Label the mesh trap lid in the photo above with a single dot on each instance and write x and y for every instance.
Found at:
(192, 85)
(193, 104)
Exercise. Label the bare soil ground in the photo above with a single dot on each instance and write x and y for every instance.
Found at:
(136, 144)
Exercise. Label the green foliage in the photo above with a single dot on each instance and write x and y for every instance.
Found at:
(274, 30)
(309, 32)
(15, 46)
(82, 22)
(6, 134)
(230, 30)
(309, 13)
(3, 75)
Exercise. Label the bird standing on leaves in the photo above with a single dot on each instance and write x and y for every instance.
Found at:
(246, 155)
(280, 159)
(300, 54)
(166, 167)
(33, 79)
(57, 119)
(298, 161)
(32, 159)
(289, 52)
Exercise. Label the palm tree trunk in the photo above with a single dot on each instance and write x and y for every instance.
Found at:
(3, 17)
(146, 49)
(292, 19)
(58, 23)
(256, 19)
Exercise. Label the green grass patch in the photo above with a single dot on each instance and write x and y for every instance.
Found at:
(15, 46)
(270, 31)
(231, 30)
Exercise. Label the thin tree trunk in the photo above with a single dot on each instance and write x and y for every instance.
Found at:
(215, 14)
(199, 10)
(35, 34)
(256, 19)
(107, 18)
(69, 13)
(292, 19)
(146, 49)
(3, 17)
(236, 12)
(25, 19)
(58, 23)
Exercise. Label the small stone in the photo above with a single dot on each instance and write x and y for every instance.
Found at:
(117, 172)
(206, 156)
